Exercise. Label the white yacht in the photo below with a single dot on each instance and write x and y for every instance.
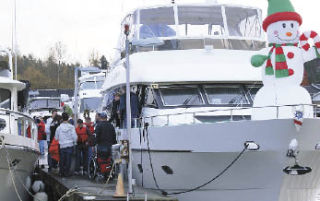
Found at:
(43, 106)
(19, 149)
(89, 96)
(195, 138)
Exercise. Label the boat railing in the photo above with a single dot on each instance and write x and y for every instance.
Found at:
(17, 123)
(230, 114)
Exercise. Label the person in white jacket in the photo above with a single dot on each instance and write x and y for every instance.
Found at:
(67, 137)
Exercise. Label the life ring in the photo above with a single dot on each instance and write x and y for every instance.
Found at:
(306, 36)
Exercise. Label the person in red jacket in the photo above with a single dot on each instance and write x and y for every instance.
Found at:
(42, 137)
(91, 138)
(82, 147)
(54, 150)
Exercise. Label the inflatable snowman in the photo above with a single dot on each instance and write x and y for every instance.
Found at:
(283, 66)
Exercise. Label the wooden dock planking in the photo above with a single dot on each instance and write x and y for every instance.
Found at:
(102, 192)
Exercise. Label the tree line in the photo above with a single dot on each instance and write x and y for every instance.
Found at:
(53, 72)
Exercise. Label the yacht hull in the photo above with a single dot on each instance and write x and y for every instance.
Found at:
(22, 162)
(199, 152)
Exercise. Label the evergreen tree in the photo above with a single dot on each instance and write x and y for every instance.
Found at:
(104, 64)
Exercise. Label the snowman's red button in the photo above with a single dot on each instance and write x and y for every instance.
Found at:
(290, 55)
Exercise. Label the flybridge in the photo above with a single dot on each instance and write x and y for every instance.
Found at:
(196, 26)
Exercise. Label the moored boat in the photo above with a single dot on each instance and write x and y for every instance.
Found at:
(195, 137)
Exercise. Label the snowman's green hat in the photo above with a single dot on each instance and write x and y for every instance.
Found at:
(280, 10)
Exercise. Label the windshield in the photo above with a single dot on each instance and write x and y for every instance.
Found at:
(44, 103)
(181, 96)
(197, 27)
(90, 103)
(252, 90)
(91, 85)
(243, 22)
(157, 22)
(5, 99)
(200, 20)
(226, 95)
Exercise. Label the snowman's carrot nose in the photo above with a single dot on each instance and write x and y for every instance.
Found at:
(289, 34)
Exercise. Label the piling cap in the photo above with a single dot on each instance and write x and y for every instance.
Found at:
(280, 10)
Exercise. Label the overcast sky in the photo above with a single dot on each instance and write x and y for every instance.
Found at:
(87, 25)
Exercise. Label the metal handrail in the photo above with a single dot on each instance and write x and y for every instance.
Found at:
(18, 113)
(230, 110)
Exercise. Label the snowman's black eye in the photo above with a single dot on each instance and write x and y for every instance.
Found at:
(292, 25)
(284, 25)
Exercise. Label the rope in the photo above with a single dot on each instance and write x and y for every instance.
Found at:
(12, 172)
(12, 178)
(150, 160)
(73, 190)
(141, 162)
(197, 187)
(9, 168)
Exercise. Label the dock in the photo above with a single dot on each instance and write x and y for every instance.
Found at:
(56, 187)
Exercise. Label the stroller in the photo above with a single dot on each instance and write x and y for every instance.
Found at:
(100, 167)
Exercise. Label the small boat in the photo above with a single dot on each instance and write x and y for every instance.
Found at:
(19, 149)
(43, 106)
(88, 92)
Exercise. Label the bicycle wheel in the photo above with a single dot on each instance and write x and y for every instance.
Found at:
(92, 169)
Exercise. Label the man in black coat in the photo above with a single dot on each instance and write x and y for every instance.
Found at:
(105, 136)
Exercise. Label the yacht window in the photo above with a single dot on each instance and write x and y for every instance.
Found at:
(108, 99)
(243, 22)
(99, 84)
(226, 95)
(200, 20)
(44, 103)
(53, 103)
(156, 22)
(149, 98)
(5, 99)
(252, 90)
(175, 96)
(87, 85)
(90, 104)
(38, 104)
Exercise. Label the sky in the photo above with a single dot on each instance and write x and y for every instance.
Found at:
(84, 26)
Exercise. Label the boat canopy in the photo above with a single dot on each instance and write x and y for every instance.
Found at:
(197, 26)
(197, 20)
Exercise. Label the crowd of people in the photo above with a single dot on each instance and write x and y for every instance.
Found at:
(65, 140)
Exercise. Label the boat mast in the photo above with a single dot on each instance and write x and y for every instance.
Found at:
(14, 38)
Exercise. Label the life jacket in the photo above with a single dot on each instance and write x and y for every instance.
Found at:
(41, 131)
(54, 150)
(29, 131)
(82, 134)
(90, 126)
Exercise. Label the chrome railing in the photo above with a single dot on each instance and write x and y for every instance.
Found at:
(17, 123)
(230, 114)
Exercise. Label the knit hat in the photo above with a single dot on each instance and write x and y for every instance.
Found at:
(279, 10)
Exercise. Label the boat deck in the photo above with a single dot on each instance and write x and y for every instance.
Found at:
(91, 190)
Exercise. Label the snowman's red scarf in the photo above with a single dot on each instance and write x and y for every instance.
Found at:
(281, 63)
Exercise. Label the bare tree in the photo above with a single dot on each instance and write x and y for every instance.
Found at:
(58, 52)
(94, 58)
